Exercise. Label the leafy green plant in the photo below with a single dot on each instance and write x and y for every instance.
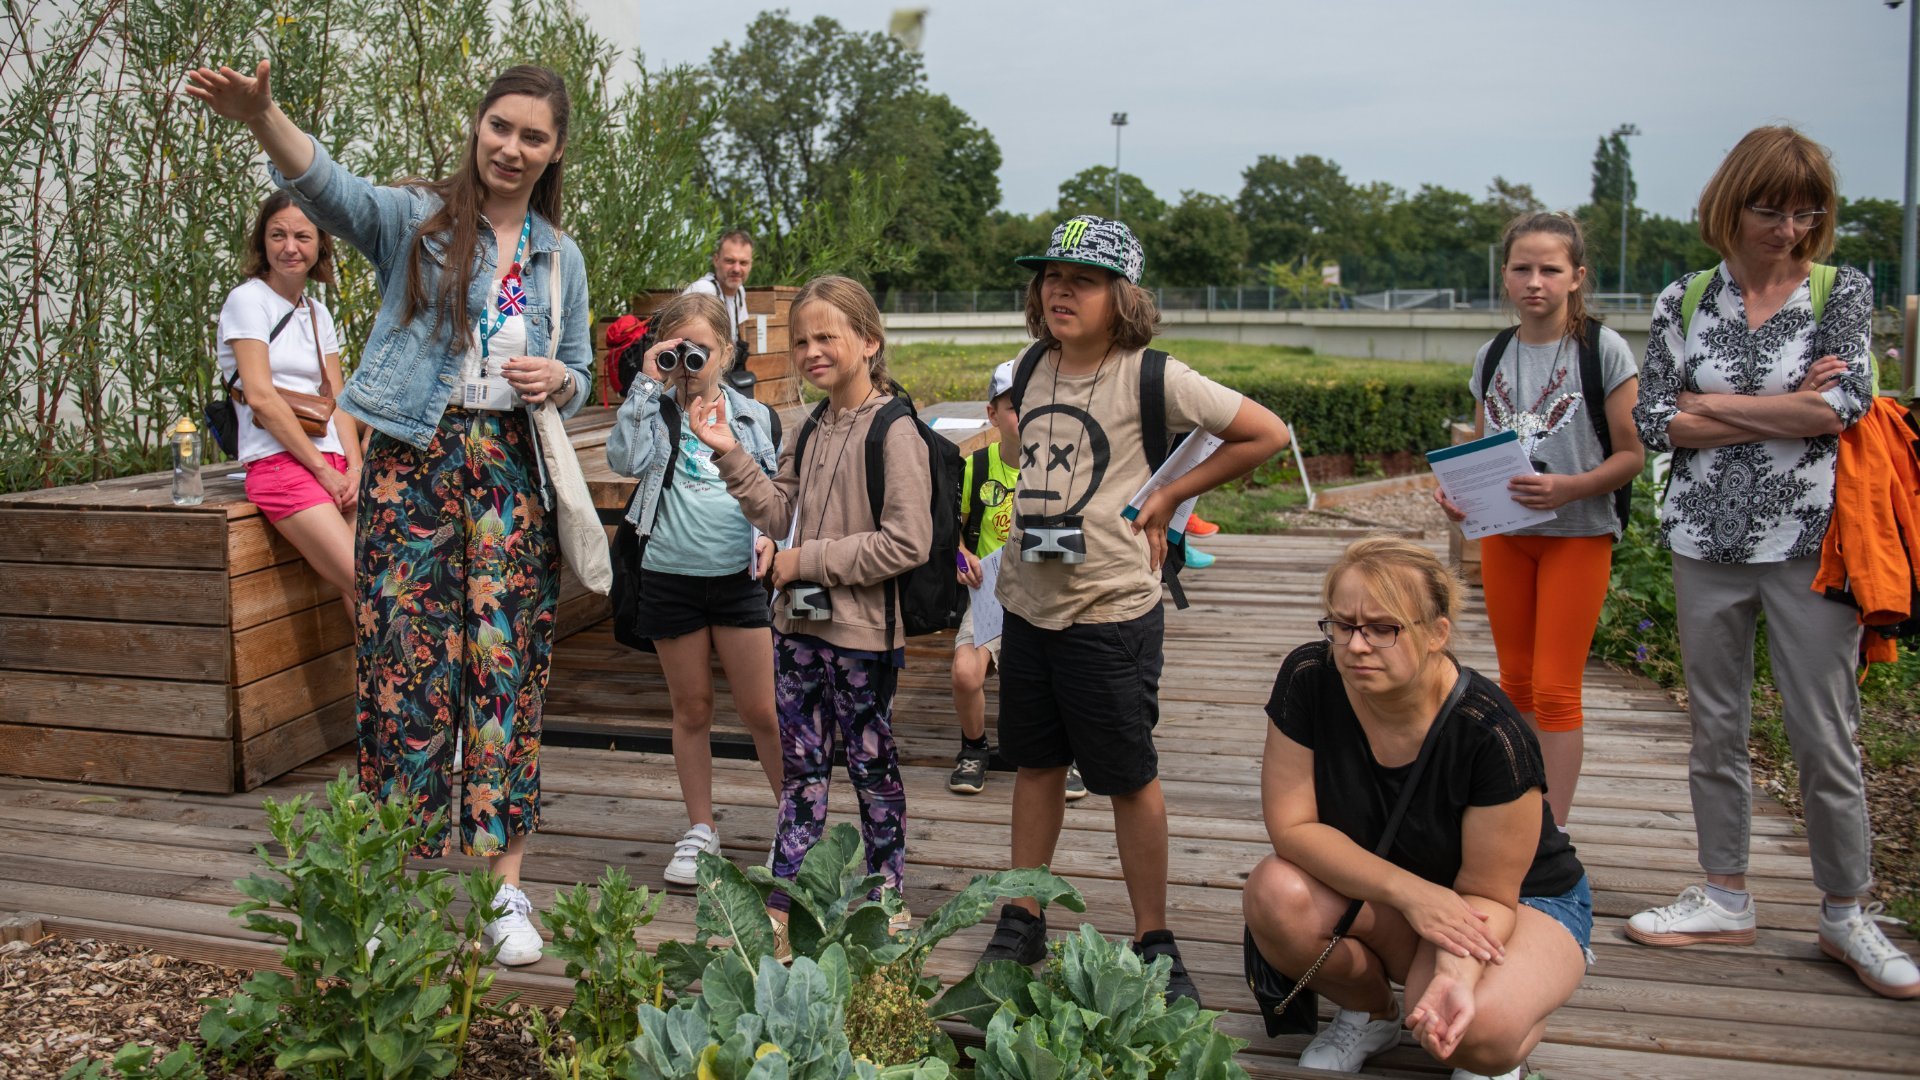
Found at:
(1098, 1011)
(1637, 628)
(135, 1062)
(777, 1023)
(382, 980)
(887, 1019)
(613, 976)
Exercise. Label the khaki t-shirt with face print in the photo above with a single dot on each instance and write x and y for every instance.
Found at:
(1081, 459)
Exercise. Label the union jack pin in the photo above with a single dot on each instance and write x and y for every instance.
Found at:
(513, 299)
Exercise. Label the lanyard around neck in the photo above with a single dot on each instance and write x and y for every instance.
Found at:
(512, 297)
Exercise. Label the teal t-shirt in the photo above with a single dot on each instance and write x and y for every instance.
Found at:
(699, 530)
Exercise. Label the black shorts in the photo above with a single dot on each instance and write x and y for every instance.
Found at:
(1086, 695)
(674, 604)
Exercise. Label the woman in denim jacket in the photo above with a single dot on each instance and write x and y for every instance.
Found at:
(458, 572)
(700, 590)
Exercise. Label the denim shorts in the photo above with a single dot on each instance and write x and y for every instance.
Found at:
(1572, 909)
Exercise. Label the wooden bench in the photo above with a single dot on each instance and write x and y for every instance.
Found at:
(185, 647)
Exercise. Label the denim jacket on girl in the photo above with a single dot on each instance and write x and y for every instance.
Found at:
(406, 373)
(639, 445)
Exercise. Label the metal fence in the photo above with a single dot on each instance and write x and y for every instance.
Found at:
(1242, 298)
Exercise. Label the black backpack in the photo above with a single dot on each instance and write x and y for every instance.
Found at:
(1592, 387)
(219, 417)
(1155, 440)
(928, 596)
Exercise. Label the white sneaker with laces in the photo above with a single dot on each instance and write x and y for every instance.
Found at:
(1514, 1073)
(513, 931)
(684, 867)
(1348, 1040)
(1691, 919)
(1858, 943)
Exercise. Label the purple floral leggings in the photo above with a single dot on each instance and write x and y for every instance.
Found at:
(820, 690)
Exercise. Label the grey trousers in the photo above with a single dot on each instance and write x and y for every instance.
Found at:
(1814, 643)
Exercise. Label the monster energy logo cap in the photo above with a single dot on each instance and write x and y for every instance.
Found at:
(1093, 241)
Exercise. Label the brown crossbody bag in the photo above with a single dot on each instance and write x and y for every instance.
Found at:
(314, 411)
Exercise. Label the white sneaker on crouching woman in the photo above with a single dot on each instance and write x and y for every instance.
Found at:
(1348, 1040)
(513, 931)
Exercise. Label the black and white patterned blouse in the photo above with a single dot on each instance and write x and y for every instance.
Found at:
(1768, 500)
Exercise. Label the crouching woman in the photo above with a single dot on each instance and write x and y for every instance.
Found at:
(1478, 906)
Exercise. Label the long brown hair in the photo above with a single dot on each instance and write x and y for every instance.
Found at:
(1136, 318)
(259, 266)
(462, 195)
(1567, 229)
(853, 300)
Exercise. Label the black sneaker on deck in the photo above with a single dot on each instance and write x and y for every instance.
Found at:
(969, 775)
(1018, 936)
(1156, 943)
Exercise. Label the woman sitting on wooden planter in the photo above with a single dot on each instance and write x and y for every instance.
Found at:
(1403, 796)
(275, 338)
(459, 570)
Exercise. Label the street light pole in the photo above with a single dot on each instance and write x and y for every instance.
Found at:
(1119, 121)
(1622, 133)
(1909, 233)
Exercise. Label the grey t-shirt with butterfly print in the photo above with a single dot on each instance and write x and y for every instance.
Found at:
(1537, 392)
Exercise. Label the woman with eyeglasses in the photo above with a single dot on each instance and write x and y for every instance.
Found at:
(1752, 371)
(1479, 908)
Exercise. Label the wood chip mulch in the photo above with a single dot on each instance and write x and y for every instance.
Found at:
(65, 1001)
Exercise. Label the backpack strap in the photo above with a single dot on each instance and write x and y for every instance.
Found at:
(977, 467)
(1593, 387)
(876, 459)
(1155, 442)
(1697, 288)
(1820, 284)
(1496, 349)
(773, 428)
(1023, 372)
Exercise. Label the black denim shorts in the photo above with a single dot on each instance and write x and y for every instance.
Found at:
(671, 605)
(1086, 695)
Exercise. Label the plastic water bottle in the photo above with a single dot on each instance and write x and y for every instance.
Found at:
(187, 490)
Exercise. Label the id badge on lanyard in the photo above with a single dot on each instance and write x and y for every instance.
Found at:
(490, 389)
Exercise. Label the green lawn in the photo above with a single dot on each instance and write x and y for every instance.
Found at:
(945, 372)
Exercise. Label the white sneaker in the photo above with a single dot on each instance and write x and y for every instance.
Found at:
(1691, 919)
(900, 921)
(1858, 943)
(684, 867)
(513, 931)
(1348, 1040)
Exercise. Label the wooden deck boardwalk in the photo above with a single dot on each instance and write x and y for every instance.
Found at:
(156, 868)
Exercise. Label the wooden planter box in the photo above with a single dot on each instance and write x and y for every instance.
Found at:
(181, 647)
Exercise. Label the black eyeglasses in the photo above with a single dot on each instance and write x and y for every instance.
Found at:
(1380, 635)
(993, 493)
(1805, 219)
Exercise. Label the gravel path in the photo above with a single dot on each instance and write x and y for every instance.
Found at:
(1408, 510)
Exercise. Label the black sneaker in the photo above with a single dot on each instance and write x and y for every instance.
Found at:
(1076, 787)
(1018, 936)
(969, 775)
(1160, 943)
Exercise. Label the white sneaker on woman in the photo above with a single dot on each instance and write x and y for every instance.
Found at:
(1514, 1073)
(1348, 1040)
(1857, 942)
(1691, 919)
(513, 931)
(684, 867)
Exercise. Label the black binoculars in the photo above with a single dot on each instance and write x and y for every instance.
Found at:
(684, 355)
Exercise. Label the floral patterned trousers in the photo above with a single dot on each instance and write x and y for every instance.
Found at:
(457, 574)
(820, 693)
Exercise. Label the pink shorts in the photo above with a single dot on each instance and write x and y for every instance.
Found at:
(281, 487)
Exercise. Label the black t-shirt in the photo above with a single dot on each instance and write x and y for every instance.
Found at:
(1485, 756)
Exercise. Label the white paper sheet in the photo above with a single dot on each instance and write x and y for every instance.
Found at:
(1195, 449)
(1475, 474)
(955, 423)
(989, 618)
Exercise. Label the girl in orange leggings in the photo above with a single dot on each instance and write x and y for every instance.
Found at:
(1545, 585)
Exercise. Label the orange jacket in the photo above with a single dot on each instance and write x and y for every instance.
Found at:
(1872, 547)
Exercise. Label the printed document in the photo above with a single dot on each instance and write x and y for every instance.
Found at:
(1475, 474)
(1193, 450)
(988, 616)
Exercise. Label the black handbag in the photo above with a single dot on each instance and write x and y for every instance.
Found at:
(1287, 1006)
(220, 419)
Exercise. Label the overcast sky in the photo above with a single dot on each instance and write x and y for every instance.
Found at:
(1395, 90)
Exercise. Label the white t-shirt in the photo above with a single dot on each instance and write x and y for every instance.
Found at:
(507, 342)
(736, 304)
(251, 312)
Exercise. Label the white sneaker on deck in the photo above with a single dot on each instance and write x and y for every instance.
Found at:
(684, 867)
(1858, 943)
(1514, 1073)
(1692, 919)
(1348, 1040)
(513, 931)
